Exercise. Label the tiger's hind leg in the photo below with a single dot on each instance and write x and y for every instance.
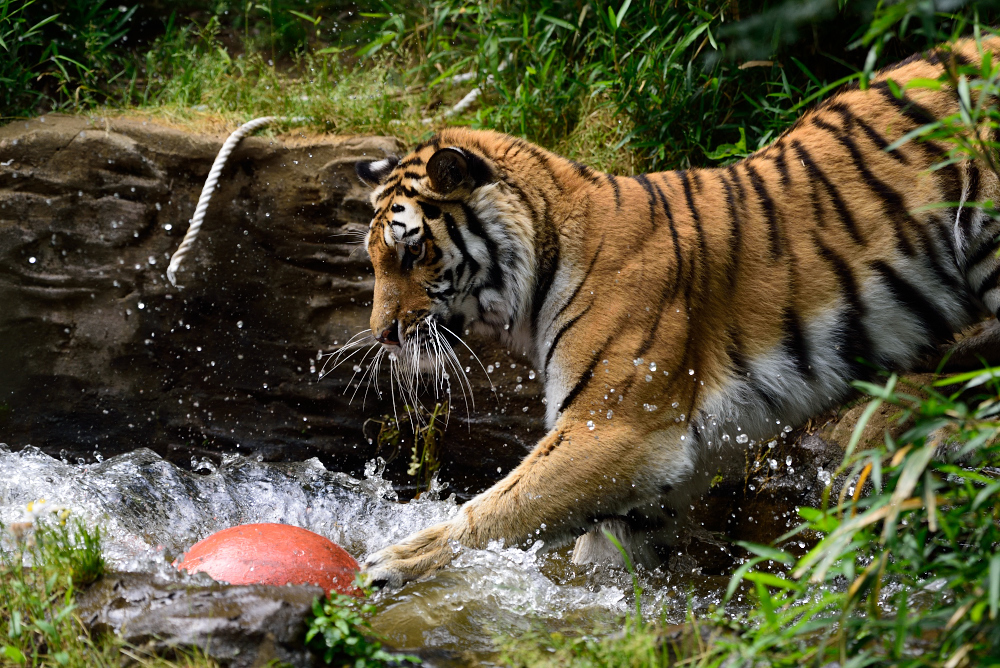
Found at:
(648, 530)
(979, 346)
(594, 547)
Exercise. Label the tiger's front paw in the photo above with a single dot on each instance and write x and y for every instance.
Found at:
(416, 557)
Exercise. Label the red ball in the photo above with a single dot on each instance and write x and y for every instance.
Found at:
(273, 554)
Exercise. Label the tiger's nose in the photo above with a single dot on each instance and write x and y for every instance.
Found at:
(390, 335)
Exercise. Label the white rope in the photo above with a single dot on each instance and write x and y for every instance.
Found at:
(470, 97)
(206, 192)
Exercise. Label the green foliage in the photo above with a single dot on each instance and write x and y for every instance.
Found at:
(908, 574)
(63, 56)
(20, 36)
(38, 623)
(427, 427)
(340, 632)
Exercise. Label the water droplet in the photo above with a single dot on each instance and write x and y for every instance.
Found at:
(648, 378)
(652, 366)
(725, 438)
(742, 439)
(787, 428)
(690, 372)
(524, 410)
(140, 306)
(590, 425)
(152, 260)
(788, 461)
(239, 324)
(649, 407)
(531, 375)
(357, 368)
(674, 405)
(637, 361)
(489, 369)
(773, 464)
(31, 260)
(611, 414)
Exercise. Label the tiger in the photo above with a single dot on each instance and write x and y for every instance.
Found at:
(678, 315)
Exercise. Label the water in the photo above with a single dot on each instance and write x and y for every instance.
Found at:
(151, 511)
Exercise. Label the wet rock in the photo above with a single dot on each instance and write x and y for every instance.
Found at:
(101, 354)
(238, 626)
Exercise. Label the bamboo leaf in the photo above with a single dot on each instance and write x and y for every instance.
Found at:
(994, 585)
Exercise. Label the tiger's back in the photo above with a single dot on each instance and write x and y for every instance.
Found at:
(679, 314)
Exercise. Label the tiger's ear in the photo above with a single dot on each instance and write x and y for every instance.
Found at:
(452, 167)
(374, 172)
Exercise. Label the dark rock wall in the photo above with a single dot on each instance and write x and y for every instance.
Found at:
(98, 352)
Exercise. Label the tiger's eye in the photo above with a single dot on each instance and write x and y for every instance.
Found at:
(414, 249)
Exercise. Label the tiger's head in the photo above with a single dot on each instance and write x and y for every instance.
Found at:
(450, 244)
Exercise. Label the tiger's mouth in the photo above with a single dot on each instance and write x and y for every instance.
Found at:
(421, 361)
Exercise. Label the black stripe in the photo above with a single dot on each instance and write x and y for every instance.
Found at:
(780, 164)
(696, 219)
(795, 343)
(918, 114)
(989, 282)
(768, 205)
(815, 173)
(555, 443)
(933, 321)
(562, 330)
(456, 238)
(892, 202)
(579, 285)
(581, 383)
(614, 185)
(850, 119)
(542, 159)
(648, 187)
(430, 211)
(495, 278)
(959, 59)
(412, 161)
(673, 231)
(547, 265)
(856, 343)
(584, 171)
(736, 231)
(987, 248)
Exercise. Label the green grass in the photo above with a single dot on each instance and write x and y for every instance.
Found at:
(627, 86)
(38, 624)
(43, 566)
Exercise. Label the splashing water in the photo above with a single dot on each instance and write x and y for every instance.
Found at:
(150, 511)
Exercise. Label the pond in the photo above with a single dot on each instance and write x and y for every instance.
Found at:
(150, 511)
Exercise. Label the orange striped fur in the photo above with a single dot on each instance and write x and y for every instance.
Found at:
(678, 314)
